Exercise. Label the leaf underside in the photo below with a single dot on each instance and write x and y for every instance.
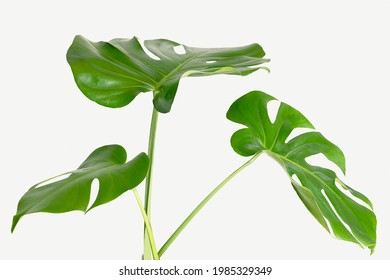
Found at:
(319, 188)
(113, 73)
(107, 164)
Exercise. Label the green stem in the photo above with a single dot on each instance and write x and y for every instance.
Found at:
(203, 203)
(148, 226)
(148, 184)
(152, 139)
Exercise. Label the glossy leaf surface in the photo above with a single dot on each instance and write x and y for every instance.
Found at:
(113, 73)
(348, 216)
(107, 164)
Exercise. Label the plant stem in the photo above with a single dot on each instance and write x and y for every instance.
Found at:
(152, 139)
(148, 226)
(203, 203)
(148, 184)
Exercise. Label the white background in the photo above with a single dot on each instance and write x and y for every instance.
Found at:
(330, 59)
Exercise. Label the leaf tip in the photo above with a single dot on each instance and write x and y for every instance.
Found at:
(15, 221)
(266, 68)
(89, 209)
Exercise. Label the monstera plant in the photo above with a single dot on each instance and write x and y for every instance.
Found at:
(113, 73)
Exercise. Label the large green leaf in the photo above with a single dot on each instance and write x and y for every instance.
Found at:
(113, 73)
(349, 217)
(107, 164)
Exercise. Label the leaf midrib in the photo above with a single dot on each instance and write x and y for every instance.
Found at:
(176, 70)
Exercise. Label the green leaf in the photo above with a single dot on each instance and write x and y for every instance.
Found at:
(348, 217)
(107, 164)
(113, 73)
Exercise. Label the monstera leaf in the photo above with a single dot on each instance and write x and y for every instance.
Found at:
(113, 73)
(319, 188)
(107, 164)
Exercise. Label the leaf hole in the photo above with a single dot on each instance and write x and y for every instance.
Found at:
(296, 132)
(273, 108)
(149, 53)
(329, 227)
(211, 61)
(295, 178)
(331, 206)
(179, 49)
(348, 228)
(351, 196)
(321, 160)
(95, 185)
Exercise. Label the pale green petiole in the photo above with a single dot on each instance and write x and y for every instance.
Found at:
(203, 203)
(148, 183)
(148, 226)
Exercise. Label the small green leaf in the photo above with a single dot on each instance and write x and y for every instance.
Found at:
(107, 164)
(113, 73)
(319, 188)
